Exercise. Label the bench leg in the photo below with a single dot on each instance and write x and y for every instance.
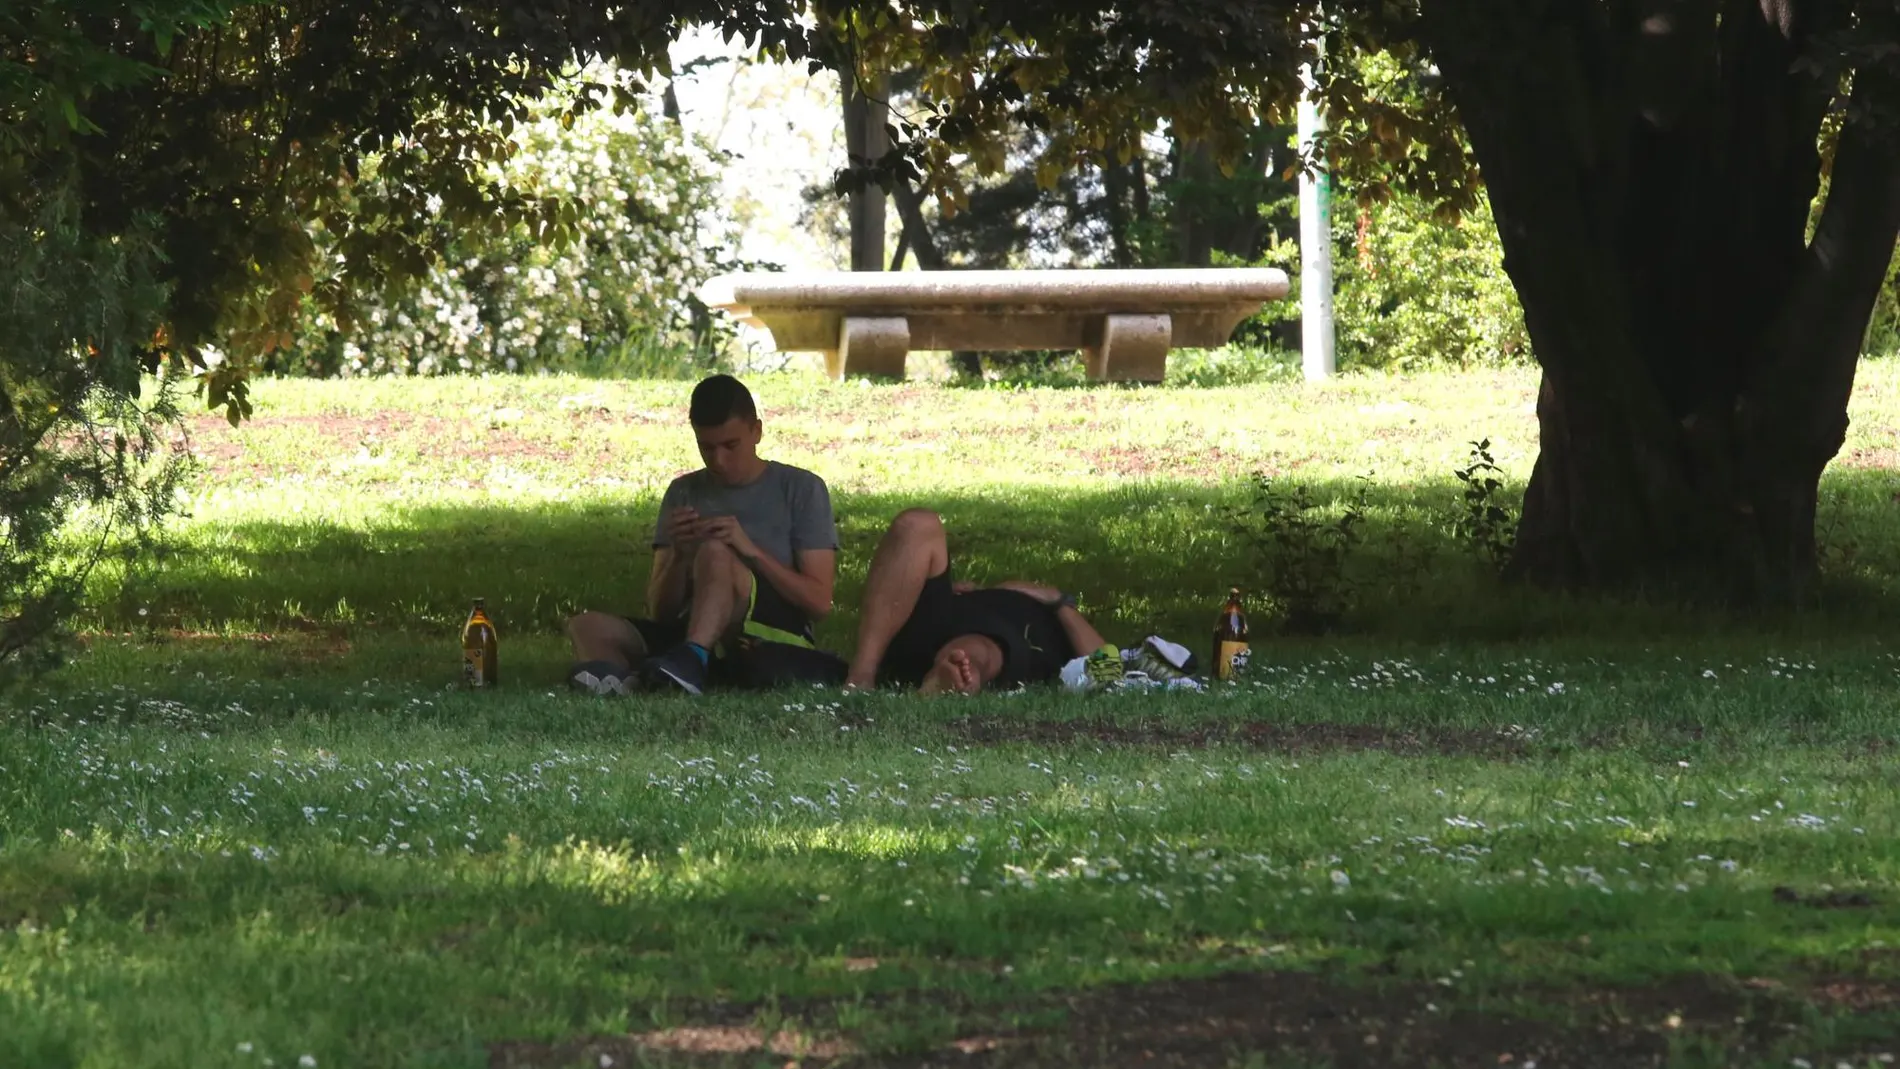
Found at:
(874, 347)
(1132, 349)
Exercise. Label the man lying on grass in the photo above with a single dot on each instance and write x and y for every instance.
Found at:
(921, 629)
(744, 547)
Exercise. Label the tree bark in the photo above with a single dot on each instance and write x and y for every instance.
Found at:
(1652, 171)
(1193, 236)
(866, 112)
(1115, 192)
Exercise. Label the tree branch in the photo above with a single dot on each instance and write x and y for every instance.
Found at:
(1815, 344)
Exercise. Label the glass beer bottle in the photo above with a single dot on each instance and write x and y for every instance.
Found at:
(478, 648)
(1230, 637)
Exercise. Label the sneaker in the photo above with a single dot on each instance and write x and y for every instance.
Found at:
(603, 678)
(1161, 660)
(1104, 668)
(679, 666)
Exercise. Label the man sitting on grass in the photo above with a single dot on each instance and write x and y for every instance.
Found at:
(921, 629)
(744, 547)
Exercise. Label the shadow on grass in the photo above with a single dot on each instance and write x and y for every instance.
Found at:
(1145, 557)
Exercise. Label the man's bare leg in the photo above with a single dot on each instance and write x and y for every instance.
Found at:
(599, 636)
(913, 549)
(965, 665)
(722, 589)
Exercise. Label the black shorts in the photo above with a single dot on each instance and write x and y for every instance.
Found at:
(769, 618)
(1034, 644)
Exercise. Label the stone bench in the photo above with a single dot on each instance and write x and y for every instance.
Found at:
(1124, 321)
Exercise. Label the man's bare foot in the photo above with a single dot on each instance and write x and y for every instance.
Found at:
(952, 672)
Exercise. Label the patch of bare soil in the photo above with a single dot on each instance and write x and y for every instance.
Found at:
(1826, 899)
(1254, 734)
(686, 1045)
(1215, 1021)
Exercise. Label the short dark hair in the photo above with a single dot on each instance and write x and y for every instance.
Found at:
(720, 398)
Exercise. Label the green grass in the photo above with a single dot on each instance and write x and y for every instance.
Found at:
(255, 819)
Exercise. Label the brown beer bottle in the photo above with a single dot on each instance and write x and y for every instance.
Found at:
(478, 648)
(1230, 637)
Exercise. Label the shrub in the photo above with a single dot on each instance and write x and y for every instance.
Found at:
(616, 301)
(1487, 518)
(87, 467)
(1410, 290)
(1303, 554)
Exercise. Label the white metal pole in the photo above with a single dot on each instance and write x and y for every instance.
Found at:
(1316, 238)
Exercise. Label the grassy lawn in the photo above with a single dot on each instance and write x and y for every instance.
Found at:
(255, 823)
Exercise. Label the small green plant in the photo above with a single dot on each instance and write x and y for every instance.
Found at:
(1486, 524)
(1303, 549)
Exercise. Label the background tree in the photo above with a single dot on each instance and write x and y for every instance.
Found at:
(161, 164)
(1698, 344)
(1653, 168)
(234, 125)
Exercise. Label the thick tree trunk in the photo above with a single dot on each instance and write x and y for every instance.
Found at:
(1652, 176)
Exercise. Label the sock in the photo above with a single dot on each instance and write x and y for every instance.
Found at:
(701, 652)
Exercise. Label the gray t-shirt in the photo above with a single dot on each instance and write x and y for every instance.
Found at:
(783, 511)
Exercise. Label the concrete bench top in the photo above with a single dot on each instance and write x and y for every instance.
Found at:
(1118, 289)
(1124, 321)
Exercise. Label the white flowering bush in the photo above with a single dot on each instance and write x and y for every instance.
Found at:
(617, 300)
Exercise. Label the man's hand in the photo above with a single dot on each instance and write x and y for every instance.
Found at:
(683, 526)
(1048, 595)
(726, 529)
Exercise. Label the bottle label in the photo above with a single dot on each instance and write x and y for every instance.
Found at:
(472, 667)
(1230, 659)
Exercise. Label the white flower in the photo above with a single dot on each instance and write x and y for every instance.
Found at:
(306, 1061)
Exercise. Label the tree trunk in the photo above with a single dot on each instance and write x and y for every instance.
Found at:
(1653, 179)
(1115, 193)
(1193, 232)
(865, 115)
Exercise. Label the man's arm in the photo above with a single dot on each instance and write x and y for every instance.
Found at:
(666, 585)
(1083, 638)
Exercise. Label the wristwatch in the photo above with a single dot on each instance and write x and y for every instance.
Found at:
(1065, 601)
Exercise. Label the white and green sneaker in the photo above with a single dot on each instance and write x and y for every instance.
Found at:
(1160, 660)
(1104, 668)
